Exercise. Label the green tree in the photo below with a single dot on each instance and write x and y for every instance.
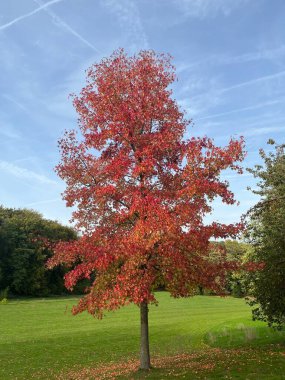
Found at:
(236, 280)
(266, 232)
(23, 254)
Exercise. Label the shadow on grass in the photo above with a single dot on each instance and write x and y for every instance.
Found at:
(215, 363)
(243, 335)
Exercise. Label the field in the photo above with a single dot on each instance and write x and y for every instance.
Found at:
(199, 338)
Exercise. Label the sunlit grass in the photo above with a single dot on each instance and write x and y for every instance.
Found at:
(40, 337)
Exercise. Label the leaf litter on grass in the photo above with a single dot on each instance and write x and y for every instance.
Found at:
(199, 363)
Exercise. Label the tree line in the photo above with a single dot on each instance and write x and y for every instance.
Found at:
(23, 253)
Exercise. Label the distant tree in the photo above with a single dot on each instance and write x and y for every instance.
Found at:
(237, 252)
(23, 253)
(266, 232)
(141, 191)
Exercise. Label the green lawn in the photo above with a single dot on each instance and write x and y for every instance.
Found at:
(204, 337)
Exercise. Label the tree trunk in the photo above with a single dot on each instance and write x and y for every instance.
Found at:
(201, 290)
(144, 357)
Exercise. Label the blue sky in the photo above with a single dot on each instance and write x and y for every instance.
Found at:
(230, 60)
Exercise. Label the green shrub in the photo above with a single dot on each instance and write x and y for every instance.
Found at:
(4, 294)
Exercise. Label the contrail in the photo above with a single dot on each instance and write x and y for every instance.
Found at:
(242, 58)
(260, 105)
(43, 6)
(65, 26)
(244, 84)
(43, 202)
(23, 173)
(15, 102)
(253, 81)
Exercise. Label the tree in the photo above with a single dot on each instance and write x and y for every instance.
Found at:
(141, 191)
(266, 226)
(23, 254)
(237, 252)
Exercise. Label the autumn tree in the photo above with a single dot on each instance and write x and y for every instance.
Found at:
(266, 233)
(141, 191)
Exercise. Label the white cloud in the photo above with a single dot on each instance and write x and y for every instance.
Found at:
(24, 173)
(208, 8)
(262, 54)
(214, 96)
(129, 19)
(235, 176)
(256, 122)
(263, 131)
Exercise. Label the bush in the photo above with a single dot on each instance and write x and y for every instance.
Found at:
(4, 294)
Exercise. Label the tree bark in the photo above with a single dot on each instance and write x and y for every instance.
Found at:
(144, 356)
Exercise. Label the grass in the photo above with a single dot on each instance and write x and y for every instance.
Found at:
(201, 338)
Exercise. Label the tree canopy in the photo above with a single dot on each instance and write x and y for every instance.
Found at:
(266, 232)
(23, 253)
(141, 189)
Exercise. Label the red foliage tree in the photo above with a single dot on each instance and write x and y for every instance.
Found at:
(141, 191)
